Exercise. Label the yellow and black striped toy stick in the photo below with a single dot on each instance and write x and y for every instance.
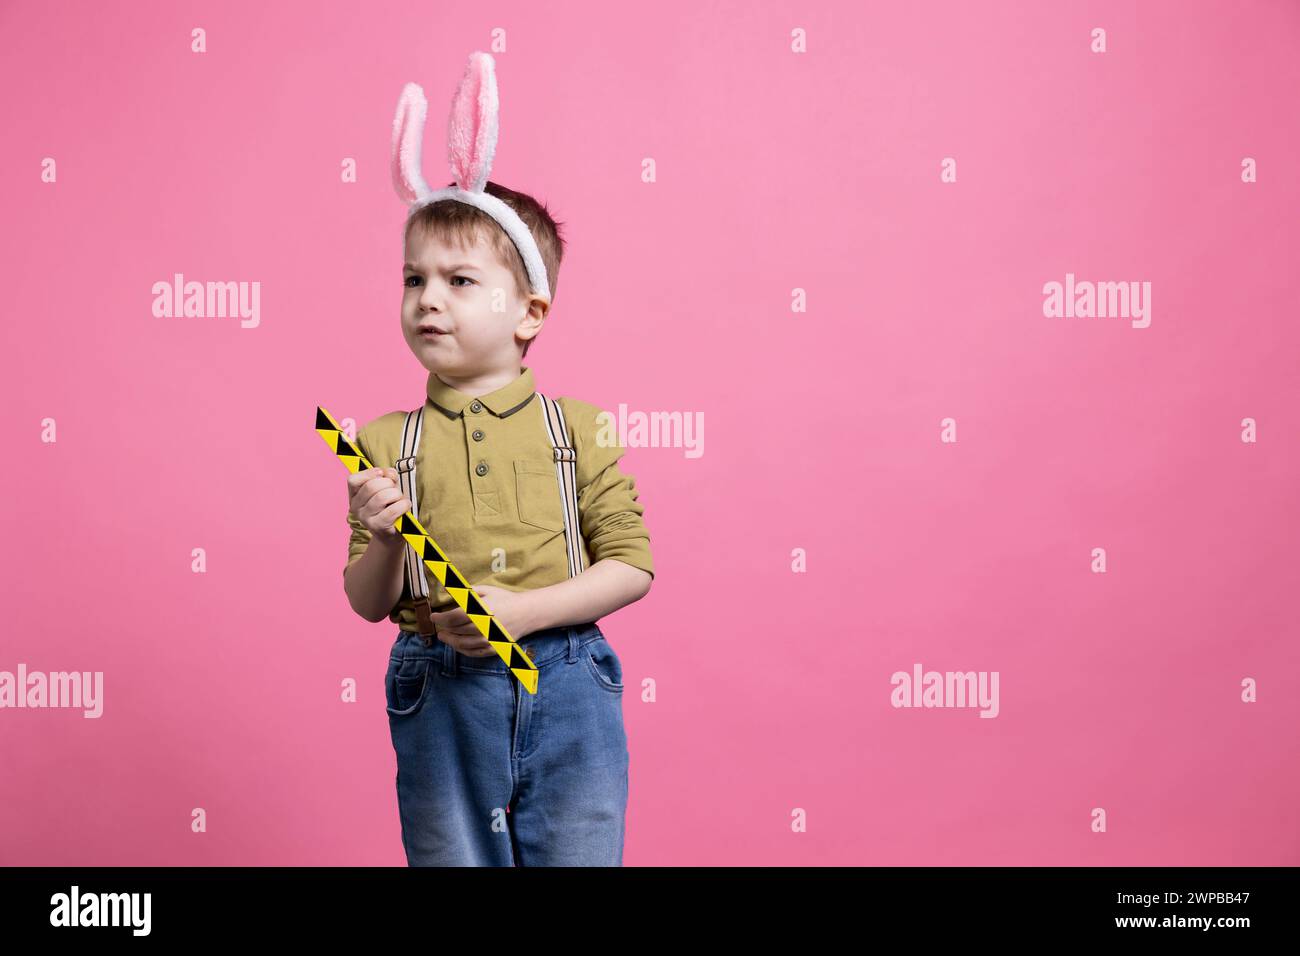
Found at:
(427, 550)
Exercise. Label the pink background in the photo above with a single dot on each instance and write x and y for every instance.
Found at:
(776, 171)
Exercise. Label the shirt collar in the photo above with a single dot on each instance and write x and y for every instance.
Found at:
(504, 401)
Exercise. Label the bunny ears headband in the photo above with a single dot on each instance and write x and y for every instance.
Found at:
(471, 144)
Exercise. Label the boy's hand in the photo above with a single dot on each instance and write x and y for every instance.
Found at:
(512, 610)
(375, 500)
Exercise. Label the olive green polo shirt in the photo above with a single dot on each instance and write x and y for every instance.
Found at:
(487, 491)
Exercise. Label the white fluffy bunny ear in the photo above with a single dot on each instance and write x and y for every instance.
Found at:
(408, 132)
(472, 129)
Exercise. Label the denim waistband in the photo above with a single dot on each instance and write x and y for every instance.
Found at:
(543, 646)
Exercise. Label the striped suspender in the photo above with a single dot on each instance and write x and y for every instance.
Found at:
(566, 477)
(416, 584)
(565, 458)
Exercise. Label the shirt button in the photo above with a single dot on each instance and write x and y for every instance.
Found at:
(476, 407)
(478, 435)
(482, 468)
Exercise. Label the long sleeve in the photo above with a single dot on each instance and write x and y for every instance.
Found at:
(610, 514)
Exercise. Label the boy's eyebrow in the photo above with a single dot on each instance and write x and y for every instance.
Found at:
(408, 267)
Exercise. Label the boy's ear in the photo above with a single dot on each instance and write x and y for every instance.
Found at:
(538, 308)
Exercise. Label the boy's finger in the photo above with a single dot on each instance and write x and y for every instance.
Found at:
(450, 619)
(395, 510)
(469, 642)
(361, 477)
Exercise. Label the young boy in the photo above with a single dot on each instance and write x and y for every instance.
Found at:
(488, 774)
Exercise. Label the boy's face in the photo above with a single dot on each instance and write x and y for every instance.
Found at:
(473, 298)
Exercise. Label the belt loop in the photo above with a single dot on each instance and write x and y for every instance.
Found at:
(573, 645)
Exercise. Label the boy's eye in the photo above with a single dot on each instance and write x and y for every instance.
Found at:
(407, 281)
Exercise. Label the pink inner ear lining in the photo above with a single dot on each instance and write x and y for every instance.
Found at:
(471, 130)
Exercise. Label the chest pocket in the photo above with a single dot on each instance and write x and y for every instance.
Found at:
(538, 493)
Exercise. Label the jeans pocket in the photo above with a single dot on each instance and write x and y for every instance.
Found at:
(605, 667)
(405, 685)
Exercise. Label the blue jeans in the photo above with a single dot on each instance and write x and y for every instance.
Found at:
(490, 775)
